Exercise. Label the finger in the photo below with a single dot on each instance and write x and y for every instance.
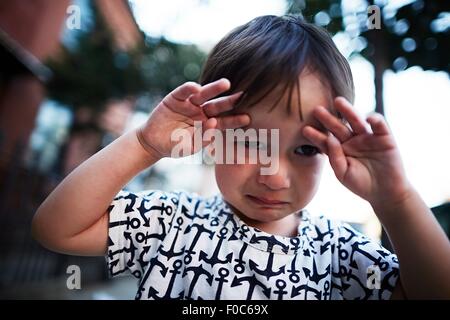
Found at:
(217, 106)
(176, 100)
(357, 123)
(209, 91)
(378, 124)
(318, 138)
(210, 123)
(337, 158)
(332, 123)
(185, 91)
(233, 121)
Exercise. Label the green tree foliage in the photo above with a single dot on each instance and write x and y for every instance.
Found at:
(94, 71)
(419, 33)
(324, 13)
(91, 71)
(416, 34)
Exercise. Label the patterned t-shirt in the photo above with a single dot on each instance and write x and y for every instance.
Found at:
(183, 246)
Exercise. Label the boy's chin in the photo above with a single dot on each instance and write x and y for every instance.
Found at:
(262, 214)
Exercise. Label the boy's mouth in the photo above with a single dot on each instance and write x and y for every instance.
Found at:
(266, 202)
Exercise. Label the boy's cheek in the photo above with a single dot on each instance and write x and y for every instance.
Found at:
(231, 154)
(224, 177)
(235, 175)
(234, 171)
(315, 168)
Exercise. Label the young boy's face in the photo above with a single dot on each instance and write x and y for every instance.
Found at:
(251, 194)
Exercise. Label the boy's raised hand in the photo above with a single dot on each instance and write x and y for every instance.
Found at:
(363, 155)
(179, 109)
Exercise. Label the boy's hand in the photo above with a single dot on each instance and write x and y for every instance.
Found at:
(364, 158)
(179, 109)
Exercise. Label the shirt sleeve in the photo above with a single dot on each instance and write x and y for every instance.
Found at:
(362, 268)
(138, 222)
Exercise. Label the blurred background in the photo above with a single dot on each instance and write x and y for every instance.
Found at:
(75, 75)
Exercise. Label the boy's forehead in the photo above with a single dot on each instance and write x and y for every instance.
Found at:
(312, 92)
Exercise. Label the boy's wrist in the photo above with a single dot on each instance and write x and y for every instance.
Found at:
(390, 210)
(148, 149)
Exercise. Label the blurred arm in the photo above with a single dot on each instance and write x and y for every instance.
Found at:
(74, 218)
(422, 247)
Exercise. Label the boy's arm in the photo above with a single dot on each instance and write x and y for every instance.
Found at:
(73, 219)
(421, 245)
(366, 160)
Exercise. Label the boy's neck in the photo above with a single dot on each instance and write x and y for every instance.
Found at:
(286, 227)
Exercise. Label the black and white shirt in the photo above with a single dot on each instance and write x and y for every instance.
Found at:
(182, 246)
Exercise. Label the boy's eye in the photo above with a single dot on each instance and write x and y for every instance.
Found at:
(307, 150)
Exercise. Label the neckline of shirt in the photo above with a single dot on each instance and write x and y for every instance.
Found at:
(259, 239)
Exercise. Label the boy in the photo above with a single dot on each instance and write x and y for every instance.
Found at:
(254, 240)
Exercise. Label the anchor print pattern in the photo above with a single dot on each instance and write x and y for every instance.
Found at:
(183, 246)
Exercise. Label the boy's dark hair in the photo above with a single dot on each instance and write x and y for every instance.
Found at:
(270, 51)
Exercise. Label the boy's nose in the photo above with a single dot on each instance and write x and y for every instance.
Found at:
(279, 180)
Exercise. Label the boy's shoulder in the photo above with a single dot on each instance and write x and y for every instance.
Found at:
(322, 228)
(176, 198)
(156, 194)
